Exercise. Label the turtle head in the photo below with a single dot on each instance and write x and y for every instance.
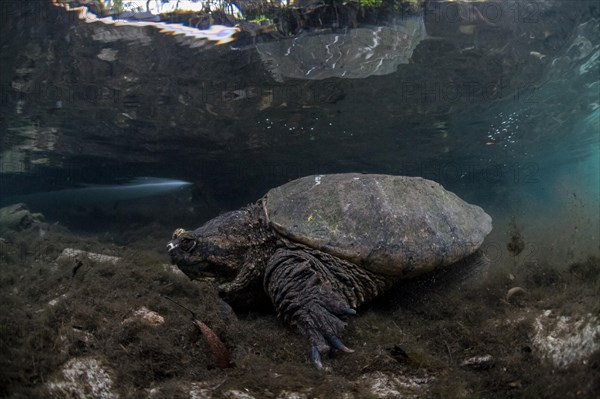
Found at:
(217, 249)
(199, 256)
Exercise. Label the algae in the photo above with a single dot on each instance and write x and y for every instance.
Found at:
(417, 335)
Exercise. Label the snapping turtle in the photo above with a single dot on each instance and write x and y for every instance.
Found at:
(322, 245)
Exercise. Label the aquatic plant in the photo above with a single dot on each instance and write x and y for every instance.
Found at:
(370, 3)
(51, 318)
(516, 244)
(261, 19)
(118, 5)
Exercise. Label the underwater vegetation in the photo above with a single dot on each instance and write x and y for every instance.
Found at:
(284, 17)
(516, 245)
(109, 317)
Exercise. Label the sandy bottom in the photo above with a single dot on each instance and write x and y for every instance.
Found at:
(98, 328)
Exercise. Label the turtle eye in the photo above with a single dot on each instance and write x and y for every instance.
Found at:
(187, 244)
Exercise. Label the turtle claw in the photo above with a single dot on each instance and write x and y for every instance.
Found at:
(315, 357)
(315, 352)
(337, 344)
(348, 311)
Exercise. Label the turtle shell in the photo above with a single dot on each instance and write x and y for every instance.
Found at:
(391, 225)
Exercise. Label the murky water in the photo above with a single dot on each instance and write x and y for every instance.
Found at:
(497, 101)
(498, 119)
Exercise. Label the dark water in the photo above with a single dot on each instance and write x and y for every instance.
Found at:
(505, 112)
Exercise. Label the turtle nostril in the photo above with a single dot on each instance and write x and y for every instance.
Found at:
(171, 246)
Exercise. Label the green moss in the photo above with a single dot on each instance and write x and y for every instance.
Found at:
(118, 5)
(391, 4)
(261, 19)
(370, 3)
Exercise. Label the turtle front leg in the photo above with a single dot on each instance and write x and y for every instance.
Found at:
(301, 288)
(249, 274)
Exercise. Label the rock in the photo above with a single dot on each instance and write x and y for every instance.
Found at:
(200, 390)
(383, 385)
(17, 217)
(291, 395)
(83, 336)
(483, 362)
(206, 390)
(146, 315)
(82, 378)
(515, 291)
(71, 254)
(173, 269)
(237, 394)
(565, 340)
(56, 300)
(108, 54)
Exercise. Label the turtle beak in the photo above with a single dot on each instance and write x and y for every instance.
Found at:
(192, 266)
(180, 251)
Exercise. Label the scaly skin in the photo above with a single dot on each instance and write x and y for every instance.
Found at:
(314, 291)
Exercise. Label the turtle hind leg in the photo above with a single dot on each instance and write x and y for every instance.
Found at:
(297, 283)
